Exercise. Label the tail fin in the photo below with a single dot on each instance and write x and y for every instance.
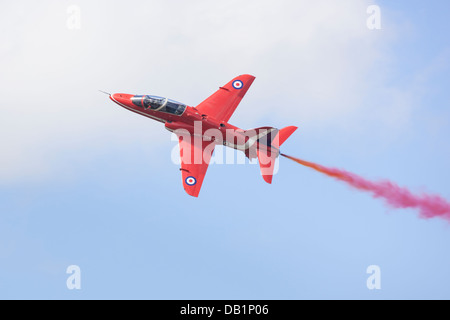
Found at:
(266, 161)
(268, 156)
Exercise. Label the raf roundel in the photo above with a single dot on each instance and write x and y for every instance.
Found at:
(191, 181)
(238, 84)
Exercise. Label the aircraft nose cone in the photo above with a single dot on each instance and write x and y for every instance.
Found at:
(121, 98)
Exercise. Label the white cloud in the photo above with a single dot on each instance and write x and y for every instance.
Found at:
(313, 60)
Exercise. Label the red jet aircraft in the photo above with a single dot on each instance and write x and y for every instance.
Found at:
(200, 129)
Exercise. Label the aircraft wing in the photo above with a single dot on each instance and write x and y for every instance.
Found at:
(224, 101)
(195, 156)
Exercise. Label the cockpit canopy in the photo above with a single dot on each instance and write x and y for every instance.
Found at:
(161, 104)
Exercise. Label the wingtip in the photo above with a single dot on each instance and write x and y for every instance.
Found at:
(192, 193)
(248, 75)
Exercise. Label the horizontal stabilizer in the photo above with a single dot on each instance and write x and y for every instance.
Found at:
(268, 156)
(283, 135)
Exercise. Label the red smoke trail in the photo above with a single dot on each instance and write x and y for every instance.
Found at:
(429, 206)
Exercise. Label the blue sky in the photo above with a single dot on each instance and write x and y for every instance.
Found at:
(83, 182)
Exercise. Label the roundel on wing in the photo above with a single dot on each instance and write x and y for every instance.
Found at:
(191, 181)
(238, 84)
